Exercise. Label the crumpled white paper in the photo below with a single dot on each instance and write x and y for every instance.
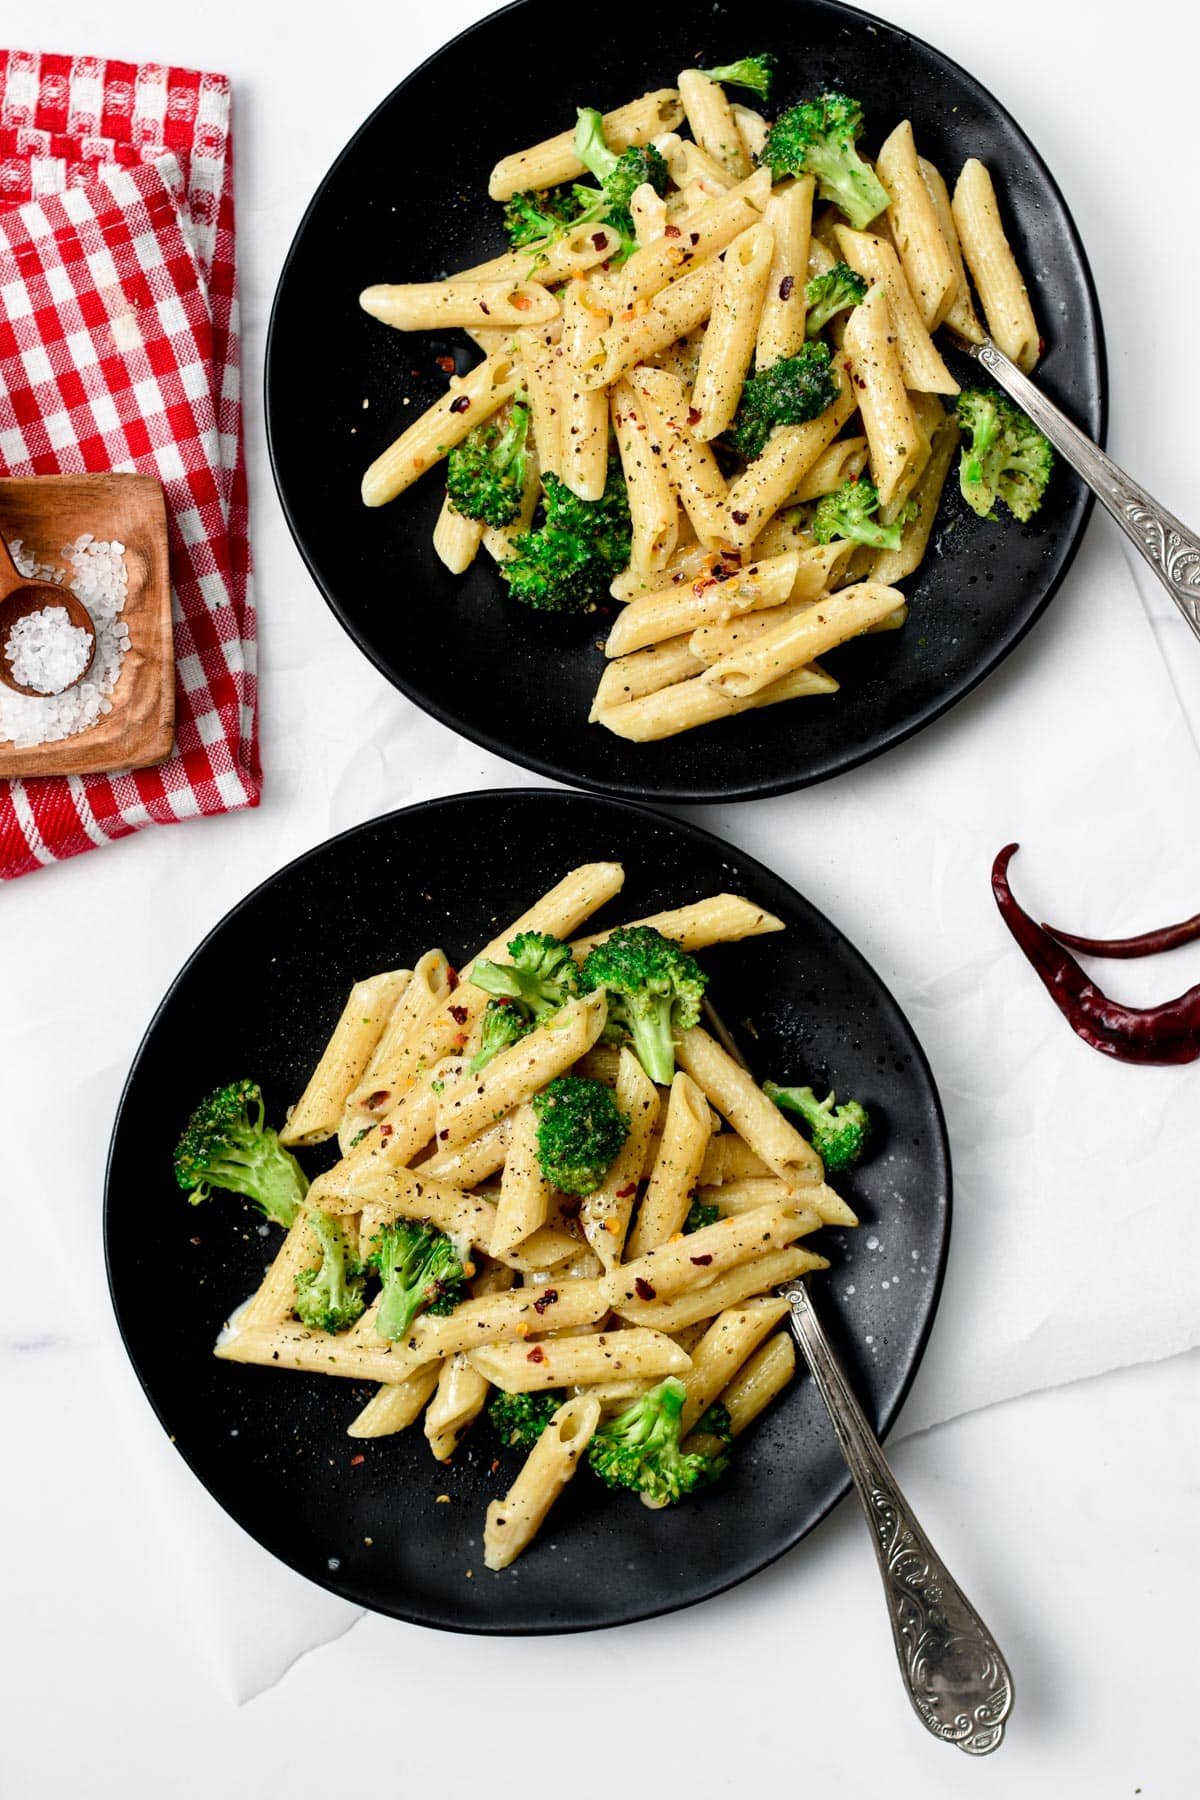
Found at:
(1075, 1232)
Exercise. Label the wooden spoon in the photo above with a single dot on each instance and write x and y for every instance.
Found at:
(19, 596)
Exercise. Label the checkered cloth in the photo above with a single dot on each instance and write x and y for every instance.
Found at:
(119, 351)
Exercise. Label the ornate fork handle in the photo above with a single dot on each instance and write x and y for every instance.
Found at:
(956, 1677)
(1172, 551)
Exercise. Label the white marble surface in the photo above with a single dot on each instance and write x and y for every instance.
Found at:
(1069, 1514)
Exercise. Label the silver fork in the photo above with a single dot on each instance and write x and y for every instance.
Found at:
(1171, 550)
(953, 1672)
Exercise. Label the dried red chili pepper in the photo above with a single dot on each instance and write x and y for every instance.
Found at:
(1168, 1033)
(1146, 943)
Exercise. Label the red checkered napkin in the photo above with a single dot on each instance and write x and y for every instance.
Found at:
(119, 351)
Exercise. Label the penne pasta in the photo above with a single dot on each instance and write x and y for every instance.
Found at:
(997, 277)
(690, 464)
(925, 257)
(318, 1112)
(781, 321)
(397, 1405)
(696, 702)
(438, 305)
(699, 1258)
(539, 367)
(891, 566)
(733, 1288)
(653, 509)
(873, 355)
(729, 1342)
(605, 1213)
(468, 401)
(921, 362)
(514, 1521)
(582, 411)
(736, 1096)
(721, 919)
(687, 1128)
(790, 451)
(961, 316)
(525, 1193)
(601, 1356)
(794, 644)
(759, 1381)
(675, 610)
(728, 346)
(693, 239)
(730, 1158)
(553, 161)
(637, 334)
(713, 125)
(644, 672)
(456, 540)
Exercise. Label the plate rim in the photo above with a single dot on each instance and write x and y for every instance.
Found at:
(710, 841)
(678, 793)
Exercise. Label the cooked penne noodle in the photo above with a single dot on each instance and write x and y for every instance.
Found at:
(924, 254)
(653, 509)
(400, 1136)
(524, 1191)
(582, 411)
(675, 610)
(318, 1112)
(781, 321)
(605, 1213)
(601, 1356)
(438, 305)
(730, 1340)
(795, 643)
(472, 1162)
(691, 465)
(730, 1158)
(736, 1096)
(870, 346)
(876, 261)
(456, 540)
(699, 235)
(961, 316)
(584, 248)
(547, 164)
(467, 402)
(692, 168)
(636, 335)
(750, 1193)
(994, 269)
(514, 1521)
(491, 1319)
(713, 125)
(499, 540)
(274, 1298)
(644, 672)
(539, 370)
(520, 1071)
(649, 213)
(752, 129)
(759, 1381)
(731, 1289)
(720, 919)
(458, 1400)
(790, 452)
(732, 328)
(397, 1405)
(687, 1128)
(696, 702)
(712, 642)
(413, 1194)
(696, 1260)
(891, 566)
(690, 561)
(845, 460)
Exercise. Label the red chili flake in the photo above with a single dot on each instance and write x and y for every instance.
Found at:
(445, 364)
(599, 240)
(461, 404)
(672, 231)
(739, 518)
(485, 308)
(701, 1262)
(1041, 346)
(643, 1289)
(626, 1193)
(537, 1354)
(522, 302)
(376, 1099)
(460, 1040)
(385, 1131)
(355, 1460)
(459, 1014)
(545, 1300)
(495, 1465)
(693, 415)
(786, 286)
(451, 976)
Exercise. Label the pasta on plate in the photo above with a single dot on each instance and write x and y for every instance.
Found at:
(717, 353)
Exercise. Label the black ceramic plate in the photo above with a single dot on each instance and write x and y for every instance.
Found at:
(340, 386)
(271, 1446)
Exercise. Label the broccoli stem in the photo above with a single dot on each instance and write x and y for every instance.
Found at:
(590, 144)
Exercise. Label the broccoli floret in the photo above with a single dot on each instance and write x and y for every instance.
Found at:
(421, 1272)
(539, 219)
(788, 392)
(716, 1422)
(485, 474)
(1007, 458)
(567, 563)
(818, 138)
(700, 1214)
(540, 978)
(330, 1297)
(829, 294)
(640, 1448)
(503, 1024)
(522, 1418)
(754, 72)
(580, 1128)
(839, 1133)
(711, 1440)
(226, 1144)
(654, 990)
(849, 512)
(619, 175)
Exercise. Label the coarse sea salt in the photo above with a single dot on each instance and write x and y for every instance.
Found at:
(46, 651)
(97, 575)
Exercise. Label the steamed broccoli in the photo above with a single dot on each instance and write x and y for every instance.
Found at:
(539, 219)
(421, 1272)
(839, 1133)
(754, 72)
(787, 392)
(849, 512)
(621, 174)
(567, 563)
(1007, 458)
(829, 294)
(701, 1213)
(503, 1024)
(818, 138)
(522, 1418)
(580, 1129)
(226, 1144)
(330, 1297)
(654, 990)
(540, 978)
(485, 474)
(640, 1448)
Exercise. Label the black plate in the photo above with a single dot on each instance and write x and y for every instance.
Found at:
(484, 665)
(271, 1447)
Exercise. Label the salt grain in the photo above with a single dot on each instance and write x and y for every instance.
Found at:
(46, 651)
(97, 575)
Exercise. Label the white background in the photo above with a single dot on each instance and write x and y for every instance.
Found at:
(1070, 1515)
